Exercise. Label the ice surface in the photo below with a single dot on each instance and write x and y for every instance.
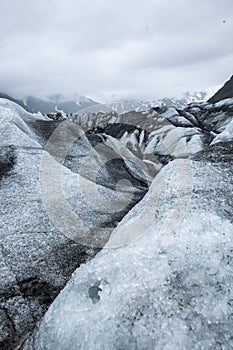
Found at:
(169, 289)
(13, 128)
(226, 135)
(173, 116)
(224, 103)
(37, 255)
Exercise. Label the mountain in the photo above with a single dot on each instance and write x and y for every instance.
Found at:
(126, 105)
(184, 100)
(52, 104)
(58, 103)
(225, 92)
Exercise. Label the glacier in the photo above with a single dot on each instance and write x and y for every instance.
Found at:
(120, 225)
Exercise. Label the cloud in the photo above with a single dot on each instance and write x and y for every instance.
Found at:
(129, 48)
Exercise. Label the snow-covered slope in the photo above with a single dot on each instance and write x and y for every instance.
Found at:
(58, 103)
(53, 104)
(123, 106)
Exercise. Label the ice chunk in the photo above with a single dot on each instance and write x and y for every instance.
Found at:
(226, 135)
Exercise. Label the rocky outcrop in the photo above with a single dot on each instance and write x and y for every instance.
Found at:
(225, 92)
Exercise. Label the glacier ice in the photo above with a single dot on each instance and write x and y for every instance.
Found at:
(164, 278)
(168, 289)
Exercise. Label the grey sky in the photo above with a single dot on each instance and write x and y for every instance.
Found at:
(124, 48)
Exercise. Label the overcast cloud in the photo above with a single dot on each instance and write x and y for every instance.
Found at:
(125, 48)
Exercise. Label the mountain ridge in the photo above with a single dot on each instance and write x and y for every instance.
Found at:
(58, 103)
(53, 104)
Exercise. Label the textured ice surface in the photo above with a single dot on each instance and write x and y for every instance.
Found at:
(36, 258)
(170, 289)
(224, 103)
(173, 116)
(226, 135)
